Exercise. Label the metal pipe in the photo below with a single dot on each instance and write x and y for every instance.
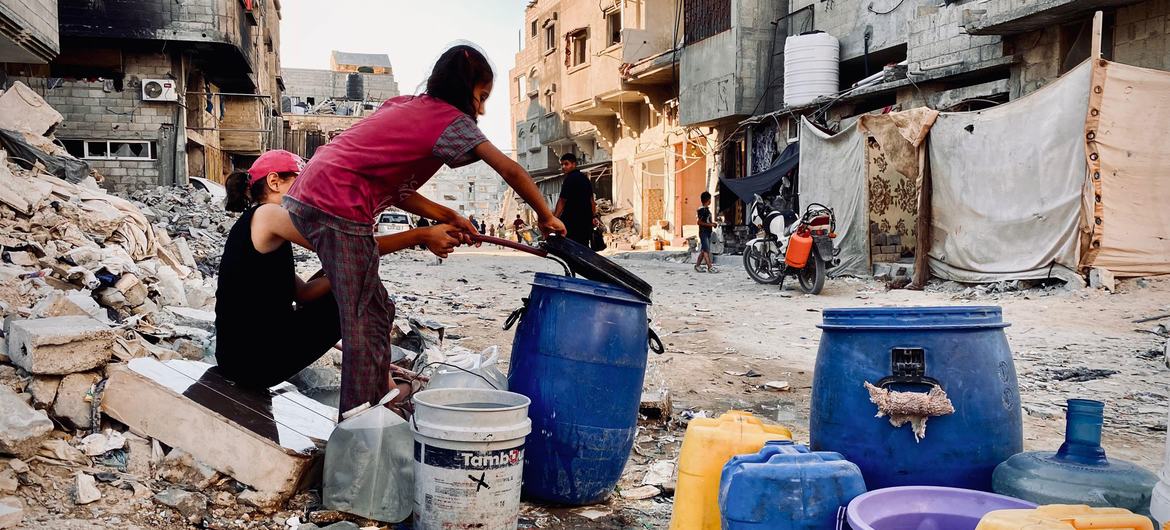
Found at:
(937, 66)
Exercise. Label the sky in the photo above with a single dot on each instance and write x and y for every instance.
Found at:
(413, 33)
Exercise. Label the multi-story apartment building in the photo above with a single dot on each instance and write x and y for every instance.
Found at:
(152, 92)
(600, 81)
(472, 190)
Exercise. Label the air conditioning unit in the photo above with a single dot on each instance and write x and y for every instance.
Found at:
(159, 90)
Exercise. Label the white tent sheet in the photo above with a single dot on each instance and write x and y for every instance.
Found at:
(832, 173)
(1007, 186)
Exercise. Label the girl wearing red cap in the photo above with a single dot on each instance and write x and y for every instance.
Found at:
(378, 163)
(271, 324)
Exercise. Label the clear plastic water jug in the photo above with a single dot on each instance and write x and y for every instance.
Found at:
(1079, 472)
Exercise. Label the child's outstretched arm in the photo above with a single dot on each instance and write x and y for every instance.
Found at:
(440, 239)
(519, 180)
(421, 206)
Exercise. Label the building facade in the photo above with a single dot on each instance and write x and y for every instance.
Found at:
(600, 81)
(472, 190)
(319, 104)
(28, 31)
(152, 93)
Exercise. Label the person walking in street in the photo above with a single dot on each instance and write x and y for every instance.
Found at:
(706, 227)
(380, 162)
(270, 323)
(518, 226)
(576, 206)
(501, 230)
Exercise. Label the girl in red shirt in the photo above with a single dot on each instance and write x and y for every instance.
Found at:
(380, 162)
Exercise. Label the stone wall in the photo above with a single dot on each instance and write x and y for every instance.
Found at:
(937, 37)
(324, 84)
(1142, 35)
(35, 39)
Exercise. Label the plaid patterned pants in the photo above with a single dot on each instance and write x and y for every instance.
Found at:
(349, 256)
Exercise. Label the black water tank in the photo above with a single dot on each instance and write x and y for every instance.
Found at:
(355, 87)
(285, 104)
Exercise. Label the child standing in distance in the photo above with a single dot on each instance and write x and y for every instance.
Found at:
(706, 226)
(378, 163)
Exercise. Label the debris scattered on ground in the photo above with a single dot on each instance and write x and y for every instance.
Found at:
(1078, 375)
(781, 386)
(641, 493)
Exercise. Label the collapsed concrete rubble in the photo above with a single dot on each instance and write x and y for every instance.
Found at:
(92, 286)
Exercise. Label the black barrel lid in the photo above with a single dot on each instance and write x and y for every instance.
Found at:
(588, 264)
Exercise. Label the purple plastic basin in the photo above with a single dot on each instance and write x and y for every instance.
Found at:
(926, 508)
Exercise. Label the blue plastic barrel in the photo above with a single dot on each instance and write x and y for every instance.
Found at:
(786, 487)
(961, 349)
(580, 356)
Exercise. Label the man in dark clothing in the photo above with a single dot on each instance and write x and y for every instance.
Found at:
(576, 206)
(706, 227)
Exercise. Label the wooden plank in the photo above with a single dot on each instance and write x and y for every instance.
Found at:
(270, 440)
(1098, 23)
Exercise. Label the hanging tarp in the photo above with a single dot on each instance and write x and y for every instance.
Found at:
(765, 183)
(894, 144)
(1007, 186)
(832, 173)
(1128, 146)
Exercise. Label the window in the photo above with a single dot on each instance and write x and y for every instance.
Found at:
(533, 84)
(613, 26)
(521, 88)
(311, 101)
(550, 37)
(548, 102)
(534, 29)
(579, 45)
(705, 18)
(111, 150)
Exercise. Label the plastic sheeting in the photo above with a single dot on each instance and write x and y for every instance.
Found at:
(832, 173)
(766, 182)
(1129, 137)
(1007, 186)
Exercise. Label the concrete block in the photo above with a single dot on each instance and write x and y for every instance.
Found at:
(71, 406)
(1101, 278)
(267, 440)
(22, 428)
(60, 345)
(43, 389)
(894, 239)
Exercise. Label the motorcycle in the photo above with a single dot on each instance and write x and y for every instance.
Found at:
(790, 246)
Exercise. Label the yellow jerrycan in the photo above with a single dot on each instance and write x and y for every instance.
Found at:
(708, 444)
(1064, 517)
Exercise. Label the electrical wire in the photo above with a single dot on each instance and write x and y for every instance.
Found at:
(891, 10)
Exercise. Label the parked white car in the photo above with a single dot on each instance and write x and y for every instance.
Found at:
(393, 222)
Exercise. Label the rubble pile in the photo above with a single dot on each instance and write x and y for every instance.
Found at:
(89, 282)
(191, 218)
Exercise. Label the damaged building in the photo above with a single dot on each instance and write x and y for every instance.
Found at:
(153, 93)
(602, 84)
(319, 104)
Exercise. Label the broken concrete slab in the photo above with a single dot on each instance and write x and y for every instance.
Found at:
(22, 109)
(181, 469)
(1102, 278)
(195, 318)
(100, 443)
(71, 406)
(22, 428)
(18, 466)
(656, 404)
(132, 289)
(641, 493)
(85, 489)
(267, 440)
(43, 389)
(22, 194)
(190, 505)
(8, 481)
(260, 500)
(60, 345)
(11, 512)
(68, 304)
(138, 457)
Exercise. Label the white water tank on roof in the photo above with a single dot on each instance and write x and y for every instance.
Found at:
(811, 67)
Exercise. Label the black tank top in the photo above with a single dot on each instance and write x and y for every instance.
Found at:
(255, 291)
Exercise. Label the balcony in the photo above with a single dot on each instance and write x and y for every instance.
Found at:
(1007, 17)
(219, 32)
(28, 31)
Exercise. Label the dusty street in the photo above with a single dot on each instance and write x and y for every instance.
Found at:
(1066, 342)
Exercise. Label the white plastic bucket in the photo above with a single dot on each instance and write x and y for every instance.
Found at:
(468, 458)
(1160, 501)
